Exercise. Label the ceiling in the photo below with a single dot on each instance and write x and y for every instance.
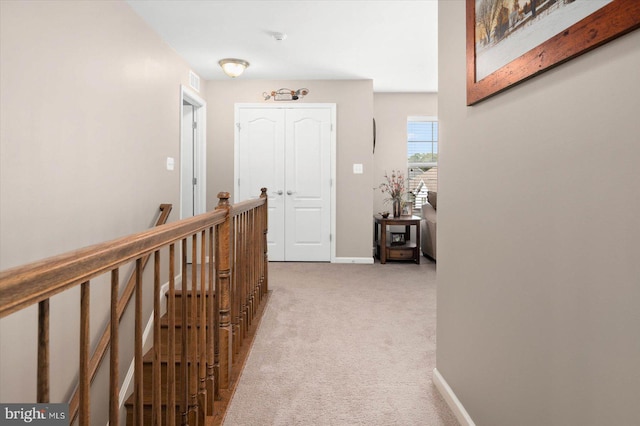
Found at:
(394, 43)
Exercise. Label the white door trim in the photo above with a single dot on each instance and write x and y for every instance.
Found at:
(236, 151)
(200, 105)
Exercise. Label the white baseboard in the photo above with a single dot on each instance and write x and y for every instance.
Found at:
(360, 260)
(452, 400)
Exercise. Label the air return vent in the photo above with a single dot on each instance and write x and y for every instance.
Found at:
(194, 81)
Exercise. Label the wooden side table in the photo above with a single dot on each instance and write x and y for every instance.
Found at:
(386, 250)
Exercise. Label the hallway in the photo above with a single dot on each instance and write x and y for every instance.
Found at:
(344, 344)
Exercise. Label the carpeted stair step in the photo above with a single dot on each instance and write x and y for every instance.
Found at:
(178, 301)
(164, 335)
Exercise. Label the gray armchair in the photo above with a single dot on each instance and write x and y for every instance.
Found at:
(428, 226)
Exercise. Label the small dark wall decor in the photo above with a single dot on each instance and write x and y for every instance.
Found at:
(506, 41)
(374, 135)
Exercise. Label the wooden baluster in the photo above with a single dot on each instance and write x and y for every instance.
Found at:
(156, 417)
(43, 351)
(257, 251)
(254, 263)
(184, 403)
(211, 323)
(242, 264)
(223, 288)
(114, 374)
(216, 321)
(245, 277)
(84, 353)
(171, 340)
(251, 299)
(241, 284)
(138, 407)
(202, 330)
(193, 334)
(249, 273)
(234, 279)
(255, 300)
(265, 227)
(257, 238)
(237, 284)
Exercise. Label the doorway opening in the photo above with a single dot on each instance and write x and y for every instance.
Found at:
(193, 165)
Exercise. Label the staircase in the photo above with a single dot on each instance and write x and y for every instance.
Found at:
(199, 344)
(165, 360)
(223, 398)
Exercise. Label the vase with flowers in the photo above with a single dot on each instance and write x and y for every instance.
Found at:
(394, 186)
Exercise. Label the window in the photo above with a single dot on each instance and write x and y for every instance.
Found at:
(422, 157)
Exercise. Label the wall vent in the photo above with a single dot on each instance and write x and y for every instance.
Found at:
(194, 81)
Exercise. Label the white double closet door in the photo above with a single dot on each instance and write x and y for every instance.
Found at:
(288, 151)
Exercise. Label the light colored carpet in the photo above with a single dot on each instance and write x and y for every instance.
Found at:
(344, 345)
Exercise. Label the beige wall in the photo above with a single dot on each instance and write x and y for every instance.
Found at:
(354, 105)
(391, 111)
(89, 112)
(538, 272)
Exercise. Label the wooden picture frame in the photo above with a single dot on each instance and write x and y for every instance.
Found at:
(397, 238)
(601, 26)
(407, 209)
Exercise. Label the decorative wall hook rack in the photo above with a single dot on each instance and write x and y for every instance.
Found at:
(286, 94)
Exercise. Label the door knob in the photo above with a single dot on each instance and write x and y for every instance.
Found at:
(290, 192)
(278, 192)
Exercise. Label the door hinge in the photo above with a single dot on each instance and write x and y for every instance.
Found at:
(195, 125)
(238, 126)
(195, 181)
(330, 237)
(332, 127)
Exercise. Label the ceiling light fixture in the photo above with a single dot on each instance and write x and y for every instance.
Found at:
(233, 67)
(286, 94)
(279, 36)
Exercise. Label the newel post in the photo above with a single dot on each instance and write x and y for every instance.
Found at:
(223, 290)
(265, 230)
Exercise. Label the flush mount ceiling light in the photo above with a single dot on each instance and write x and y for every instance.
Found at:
(233, 67)
(279, 36)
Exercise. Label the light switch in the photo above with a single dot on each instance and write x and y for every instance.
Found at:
(170, 163)
(357, 169)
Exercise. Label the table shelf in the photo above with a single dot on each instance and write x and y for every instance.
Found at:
(409, 250)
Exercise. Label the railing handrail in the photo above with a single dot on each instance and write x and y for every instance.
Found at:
(29, 284)
(105, 339)
(245, 206)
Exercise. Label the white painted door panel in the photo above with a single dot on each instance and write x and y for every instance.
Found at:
(307, 182)
(288, 151)
(261, 155)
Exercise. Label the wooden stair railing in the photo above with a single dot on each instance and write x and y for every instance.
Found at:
(221, 292)
(102, 346)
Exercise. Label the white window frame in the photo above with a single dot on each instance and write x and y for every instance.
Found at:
(414, 118)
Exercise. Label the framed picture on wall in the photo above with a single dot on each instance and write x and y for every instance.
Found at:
(510, 41)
